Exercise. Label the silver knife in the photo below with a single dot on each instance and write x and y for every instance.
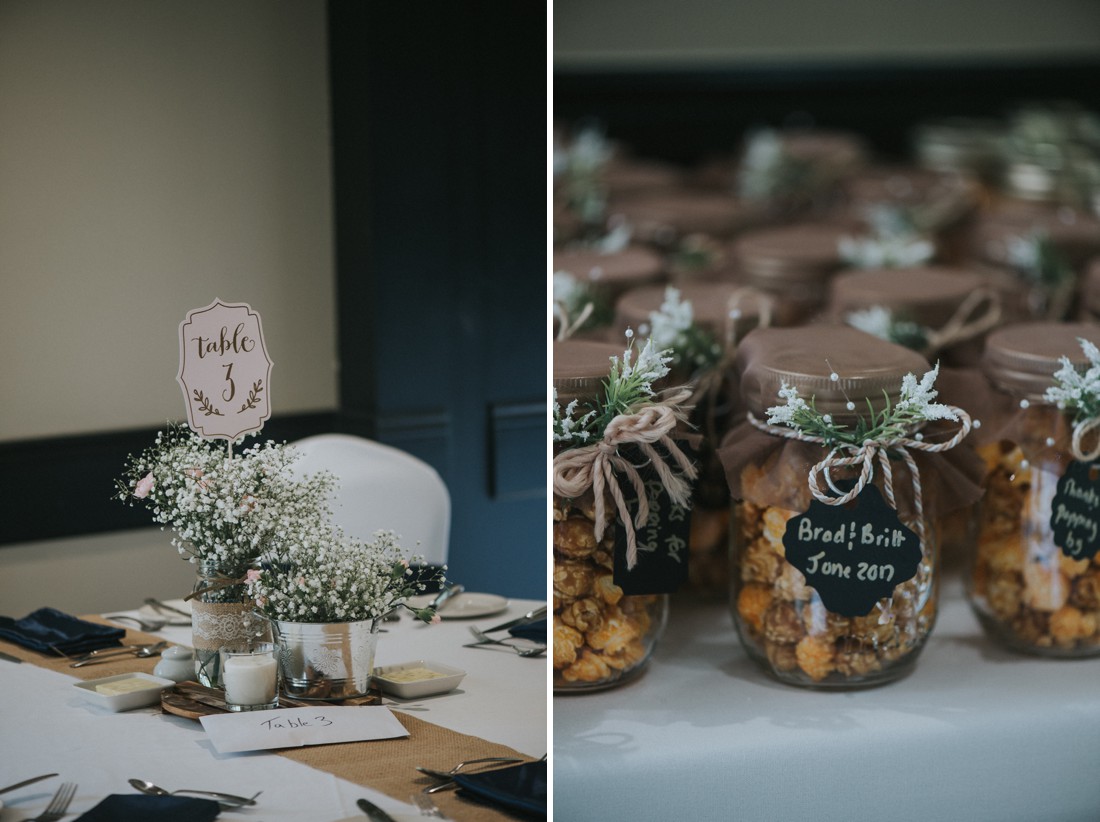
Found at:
(373, 811)
(446, 594)
(26, 782)
(530, 616)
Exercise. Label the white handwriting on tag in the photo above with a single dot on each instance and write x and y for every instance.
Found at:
(295, 727)
(224, 370)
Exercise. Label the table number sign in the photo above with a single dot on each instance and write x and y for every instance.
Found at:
(224, 370)
(853, 555)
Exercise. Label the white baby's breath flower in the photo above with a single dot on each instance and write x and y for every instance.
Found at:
(793, 406)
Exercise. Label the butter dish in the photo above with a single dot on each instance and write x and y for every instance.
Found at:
(124, 692)
(412, 680)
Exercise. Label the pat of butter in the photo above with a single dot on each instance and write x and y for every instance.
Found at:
(412, 675)
(125, 686)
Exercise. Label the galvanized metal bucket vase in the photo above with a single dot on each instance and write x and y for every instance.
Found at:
(326, 660)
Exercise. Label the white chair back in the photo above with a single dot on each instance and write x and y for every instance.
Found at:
(382, 488)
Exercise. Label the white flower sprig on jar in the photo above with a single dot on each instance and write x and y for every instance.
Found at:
(629, 386)
(1075, 390)
(672, 327)
(893, 242)
(222, 506)
(1078, 391)
(914, 406)
(881, 322)
(338, 579)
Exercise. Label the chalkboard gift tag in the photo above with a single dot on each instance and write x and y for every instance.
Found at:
(1075, 510)
(853, 555)
(662, 540)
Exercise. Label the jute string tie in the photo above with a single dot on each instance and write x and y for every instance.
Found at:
(595, 466)
(864, 455)
(1082, 429)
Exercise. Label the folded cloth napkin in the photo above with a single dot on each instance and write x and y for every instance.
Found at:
(518, 788)
(122, 807)
(54, 632)
(535, 631)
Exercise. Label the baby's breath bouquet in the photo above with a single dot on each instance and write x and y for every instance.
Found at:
(337, 579)
(226, 507)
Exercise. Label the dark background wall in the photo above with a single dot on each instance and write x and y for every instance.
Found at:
(438, 150)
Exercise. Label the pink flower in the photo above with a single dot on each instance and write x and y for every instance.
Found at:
(436, 619)
(252, 575)
(144, 486)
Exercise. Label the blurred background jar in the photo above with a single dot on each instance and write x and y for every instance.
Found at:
(783, 621)
(792, 264)
(602, 638)
(1026, 591)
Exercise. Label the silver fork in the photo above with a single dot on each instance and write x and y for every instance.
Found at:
(534, 649)
(427, 806)
(58, 805)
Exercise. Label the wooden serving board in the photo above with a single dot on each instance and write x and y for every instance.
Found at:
(192, 701)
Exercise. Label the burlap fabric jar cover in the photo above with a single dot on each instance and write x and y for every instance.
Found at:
(775, 472)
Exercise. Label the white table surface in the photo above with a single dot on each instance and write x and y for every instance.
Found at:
(974, 733)
(46, 727)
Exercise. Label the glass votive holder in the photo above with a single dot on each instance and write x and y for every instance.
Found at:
(250, 675)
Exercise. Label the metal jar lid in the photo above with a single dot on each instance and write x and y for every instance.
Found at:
(581, 367)
(1021, 359)
(868, 369)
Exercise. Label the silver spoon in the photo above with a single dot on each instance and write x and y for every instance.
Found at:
(227, 799)
(139, 653)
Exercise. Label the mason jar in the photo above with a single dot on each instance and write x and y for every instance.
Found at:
(1029, 592)
(602, 637)
(793, 265)
(840, 618)
(941, 312)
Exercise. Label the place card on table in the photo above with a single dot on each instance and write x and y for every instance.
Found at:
(297, 727)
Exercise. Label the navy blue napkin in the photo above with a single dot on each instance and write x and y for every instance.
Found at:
(121, 807)
(535, 631)
(518, 788)
(55, 632)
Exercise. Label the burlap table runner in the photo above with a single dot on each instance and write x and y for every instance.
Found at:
(386, 765)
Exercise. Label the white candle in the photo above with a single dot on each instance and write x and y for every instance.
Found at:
(249, 679)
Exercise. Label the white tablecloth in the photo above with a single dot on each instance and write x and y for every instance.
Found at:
(46, 727)
(974, 733)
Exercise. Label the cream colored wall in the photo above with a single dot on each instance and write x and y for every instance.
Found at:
(697, 33)
(154, 156)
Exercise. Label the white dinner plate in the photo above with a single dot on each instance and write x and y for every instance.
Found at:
(464, 606)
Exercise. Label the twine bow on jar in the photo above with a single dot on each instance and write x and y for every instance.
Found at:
(1082, 429)
(864, 455)
(595, 466)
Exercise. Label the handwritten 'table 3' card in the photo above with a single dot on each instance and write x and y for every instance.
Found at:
(224, 370)
(296, 727)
